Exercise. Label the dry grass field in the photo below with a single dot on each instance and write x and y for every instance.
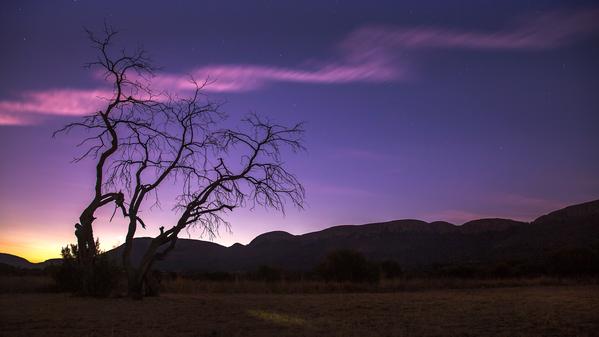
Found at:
(516, 311)
(182, 285)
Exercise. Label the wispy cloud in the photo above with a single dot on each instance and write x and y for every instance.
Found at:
(9, 119)
(56, 102)
(64, 102)
(546, 31)
(239, 78)
(370, 54)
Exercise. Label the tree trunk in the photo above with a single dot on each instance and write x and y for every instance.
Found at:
(127, 249)
(139, 284)
(86, 249)
(135, 286)
(137, 278)
(85, 238)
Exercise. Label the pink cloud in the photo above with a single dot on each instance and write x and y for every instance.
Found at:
(67, 102)
(237, 78)
(550, 30)
(7, 119)
(368, 55)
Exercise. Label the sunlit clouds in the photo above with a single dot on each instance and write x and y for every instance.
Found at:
(548, 30)
(62, 102)
(370, 54)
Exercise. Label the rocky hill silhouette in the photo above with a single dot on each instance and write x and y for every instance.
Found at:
(412, 243)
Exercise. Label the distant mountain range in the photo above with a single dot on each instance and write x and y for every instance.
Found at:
(19, 262)
(412, 243)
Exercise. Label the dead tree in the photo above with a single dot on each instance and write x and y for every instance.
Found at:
(177, 145)
(260, 180)
(131, 99)
(141, 139)
(221, 171)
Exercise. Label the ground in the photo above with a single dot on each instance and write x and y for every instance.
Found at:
(520, 311)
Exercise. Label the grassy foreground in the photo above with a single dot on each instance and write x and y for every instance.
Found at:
(521, 311)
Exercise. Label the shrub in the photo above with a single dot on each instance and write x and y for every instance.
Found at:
(67, 275)
(347, 266)
(577, 261)
(100, 279)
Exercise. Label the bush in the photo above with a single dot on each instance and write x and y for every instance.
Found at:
(100, 279)
(68, 275)
(577, 261)
(348, 266)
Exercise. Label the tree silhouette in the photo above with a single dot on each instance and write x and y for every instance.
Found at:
(144, 138)
(178, 141)
(214, 184)
(131, 99)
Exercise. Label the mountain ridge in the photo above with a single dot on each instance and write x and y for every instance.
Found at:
(410, 242)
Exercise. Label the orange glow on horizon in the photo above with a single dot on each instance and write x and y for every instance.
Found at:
(39, 248)
(33, 252)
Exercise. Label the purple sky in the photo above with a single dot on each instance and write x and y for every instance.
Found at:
(416, 109)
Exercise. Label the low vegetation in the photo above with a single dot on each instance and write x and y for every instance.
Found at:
(340, 271)
(183, 285)
(101, 279)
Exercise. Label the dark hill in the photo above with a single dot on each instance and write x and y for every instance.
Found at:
(412, 243)
(19, 262)
(16, 261)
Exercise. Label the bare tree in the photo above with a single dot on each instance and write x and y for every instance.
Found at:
(177, 145)
(219, 170)
(142, 139)
(131, 99)
(254, 175)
